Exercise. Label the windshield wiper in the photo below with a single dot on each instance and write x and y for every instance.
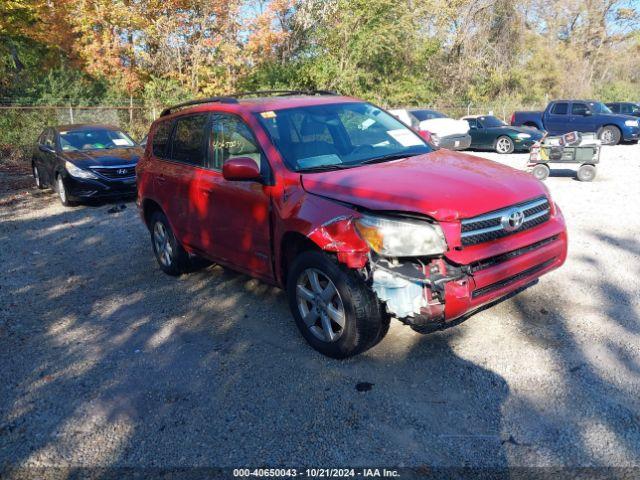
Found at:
(325, 168)
(388, 158)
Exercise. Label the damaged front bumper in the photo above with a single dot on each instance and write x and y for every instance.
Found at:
(431, 295)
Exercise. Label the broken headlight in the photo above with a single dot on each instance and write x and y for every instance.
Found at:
(399, 237)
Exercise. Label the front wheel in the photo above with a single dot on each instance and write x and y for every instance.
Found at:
(336, 312)
(610, 135)
(541, 172)
(504, 145)
(63, 195)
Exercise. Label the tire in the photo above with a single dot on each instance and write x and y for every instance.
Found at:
(610, 135)
(504, 145)
(171, 257)
(586, 173)
(63, 195)
(36, 176)
(363, 322)
(541, 172)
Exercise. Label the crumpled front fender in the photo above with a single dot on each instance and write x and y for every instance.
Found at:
(339, 235)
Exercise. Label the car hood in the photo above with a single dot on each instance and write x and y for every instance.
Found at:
(616, 116)
(107, 157)
(445, 126)
(444, 185)
(510, 129)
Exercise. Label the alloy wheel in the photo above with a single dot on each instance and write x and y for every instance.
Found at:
(36, 176)
(320, 305)
(62, 192)
(164, 250)
(503, 145)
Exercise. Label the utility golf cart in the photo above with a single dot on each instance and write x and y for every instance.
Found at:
(572, 147)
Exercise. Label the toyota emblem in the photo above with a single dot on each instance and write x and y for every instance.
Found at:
(512, 220)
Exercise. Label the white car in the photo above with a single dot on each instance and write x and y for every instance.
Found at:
(444, 131)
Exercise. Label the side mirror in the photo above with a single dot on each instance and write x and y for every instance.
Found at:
(240, 169)
(587, 113)
(46, 148)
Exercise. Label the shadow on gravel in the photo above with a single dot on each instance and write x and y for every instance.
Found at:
(106, 361)
(592, 415)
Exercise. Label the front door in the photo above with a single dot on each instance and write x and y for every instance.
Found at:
(556, 120)
(237, 226)
(582, 118)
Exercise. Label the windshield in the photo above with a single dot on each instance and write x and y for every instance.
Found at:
(491, 121)
(339, 136)
(94, 139)
(599, 107)
(423, 115)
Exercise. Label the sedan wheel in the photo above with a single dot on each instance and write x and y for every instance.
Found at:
(504, 145)
(320, 305)
(62, 191)
(36, 177)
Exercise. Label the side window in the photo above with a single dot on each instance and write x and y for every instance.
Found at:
(579, 109)
(231, 137)
(188, 144)
(614, 107)
(472, 123)
(625, 108)
(560, 109)
(635, 109)
(161, 138)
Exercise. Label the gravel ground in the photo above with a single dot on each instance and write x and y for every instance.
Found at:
(105, 361)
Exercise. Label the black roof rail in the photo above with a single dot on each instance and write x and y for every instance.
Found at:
(233, 98)
(283, 93)
(225, 99)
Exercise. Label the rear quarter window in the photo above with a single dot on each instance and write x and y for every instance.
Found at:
(161, 139)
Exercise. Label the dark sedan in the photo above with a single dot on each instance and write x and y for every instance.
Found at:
(491, 133)
(83, 162)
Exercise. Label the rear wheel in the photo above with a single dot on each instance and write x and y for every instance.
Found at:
(541, 172)
(504, 145)
(36, 177)
(170, 255)
(336, 312)
(586, 173)
(610, 135)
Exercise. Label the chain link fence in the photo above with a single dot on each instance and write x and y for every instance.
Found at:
(21, 125)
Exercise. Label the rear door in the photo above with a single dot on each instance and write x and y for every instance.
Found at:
(556, 119)
(236, 225)
(179, 148)
(582, 119)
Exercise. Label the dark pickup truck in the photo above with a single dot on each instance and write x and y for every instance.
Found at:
(563, 116)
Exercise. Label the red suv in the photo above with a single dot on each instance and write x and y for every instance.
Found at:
(352, 212)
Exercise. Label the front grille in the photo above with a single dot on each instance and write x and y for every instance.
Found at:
(120, 172)
(513, 279)
(491, 261)
(489, 226)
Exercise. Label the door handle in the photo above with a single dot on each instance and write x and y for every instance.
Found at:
(161, 178)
